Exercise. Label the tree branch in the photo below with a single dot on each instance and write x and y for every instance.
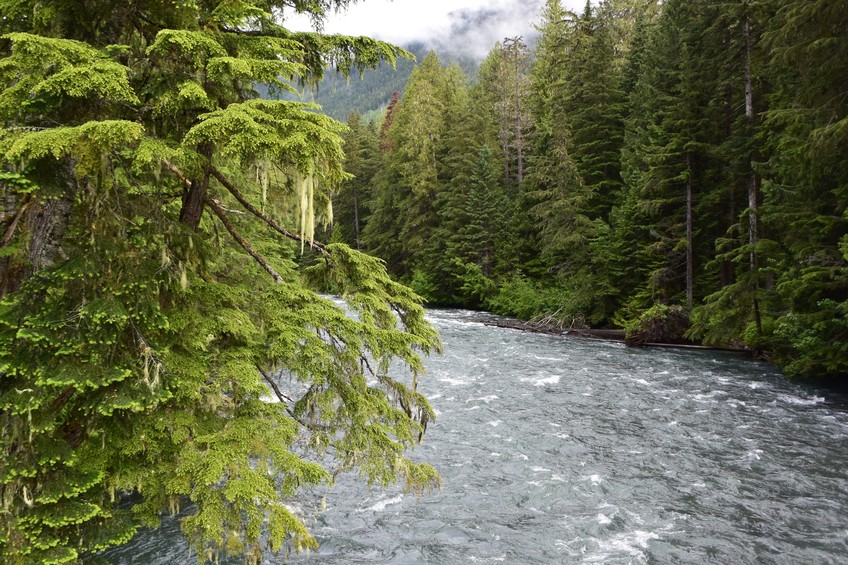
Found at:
(282, 397)
(222, 215)
(262, 216)
(250, 207)
(10, 231)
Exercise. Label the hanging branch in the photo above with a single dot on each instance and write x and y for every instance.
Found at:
(285, 399)
(262, 216)
(222, 215)
(280, 396)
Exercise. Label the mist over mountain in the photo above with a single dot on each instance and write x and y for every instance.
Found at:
(370, 93)
(473, 32)
(465, 37)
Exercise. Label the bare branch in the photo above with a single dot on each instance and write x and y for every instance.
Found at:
(174, 169)
(280, 396)
(222, 215)
(10, 231)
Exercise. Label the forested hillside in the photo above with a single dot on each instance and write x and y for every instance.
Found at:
(367, 93)
(677, 169)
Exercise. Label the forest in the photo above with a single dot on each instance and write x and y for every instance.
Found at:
(677, 169)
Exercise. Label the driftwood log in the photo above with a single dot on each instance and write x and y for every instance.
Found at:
(604, 334)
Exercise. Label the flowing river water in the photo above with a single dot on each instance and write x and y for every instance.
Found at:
(568, 450)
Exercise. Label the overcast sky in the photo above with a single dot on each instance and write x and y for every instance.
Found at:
(472, 25)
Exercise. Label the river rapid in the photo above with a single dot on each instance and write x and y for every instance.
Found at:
(568, 450)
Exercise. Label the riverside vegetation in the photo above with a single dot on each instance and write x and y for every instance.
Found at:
(676, 169)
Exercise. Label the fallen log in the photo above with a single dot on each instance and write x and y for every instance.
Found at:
(602, 334)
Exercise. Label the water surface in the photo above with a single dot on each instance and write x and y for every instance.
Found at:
(565, 450)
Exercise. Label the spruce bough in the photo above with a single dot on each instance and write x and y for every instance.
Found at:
(158, 334)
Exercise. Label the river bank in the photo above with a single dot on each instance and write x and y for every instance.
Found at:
(619, 335)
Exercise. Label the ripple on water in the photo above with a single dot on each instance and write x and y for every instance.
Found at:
(563, 450)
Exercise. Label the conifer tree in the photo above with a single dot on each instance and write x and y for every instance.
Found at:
(806, 187)
(405, 206)
(553, 181)
(153, 213)
(504, 75)
(733, 40)
(667, 155)
(361, 161)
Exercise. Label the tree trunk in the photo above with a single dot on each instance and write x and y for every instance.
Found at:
(195, 197)
(356, 216)
(754, 182)
(41, 226)
(690, 255)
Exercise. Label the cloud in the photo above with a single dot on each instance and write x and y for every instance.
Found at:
(474, 31)
(468, 27)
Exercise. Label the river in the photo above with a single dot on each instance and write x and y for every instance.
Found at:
(568, 450)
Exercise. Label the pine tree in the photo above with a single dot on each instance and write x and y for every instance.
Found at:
(667, 156)
(733, 39)
(553, 181)
(153, 212)
(406, 200)
(504, 76)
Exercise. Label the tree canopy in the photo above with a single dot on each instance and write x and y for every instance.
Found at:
(161, 338)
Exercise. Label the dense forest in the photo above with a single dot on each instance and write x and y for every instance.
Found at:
(166, 336)
(674, 168)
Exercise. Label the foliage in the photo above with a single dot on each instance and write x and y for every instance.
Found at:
(662, 323)
(158, 343)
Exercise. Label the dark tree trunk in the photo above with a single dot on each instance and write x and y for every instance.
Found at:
(195, 196)
(690, 254)
(42, 226)
(356, 216)
(754, 182)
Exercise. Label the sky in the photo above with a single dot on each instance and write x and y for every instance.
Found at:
(472, 26)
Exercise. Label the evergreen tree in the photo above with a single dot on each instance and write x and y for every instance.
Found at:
(668, 156)
(504, 76)
(733, 39)
(362, 162)
(806, 187)
(405, 206)
(153, 210)
(553, 181)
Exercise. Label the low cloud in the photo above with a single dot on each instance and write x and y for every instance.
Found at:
(473, 32)
(468, 28)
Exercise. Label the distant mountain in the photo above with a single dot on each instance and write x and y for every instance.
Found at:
(370, 94)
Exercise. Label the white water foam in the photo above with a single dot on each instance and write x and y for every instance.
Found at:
(798, 401)
(381, 505)
(541, 381)
(486, 399)
(632, 543)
